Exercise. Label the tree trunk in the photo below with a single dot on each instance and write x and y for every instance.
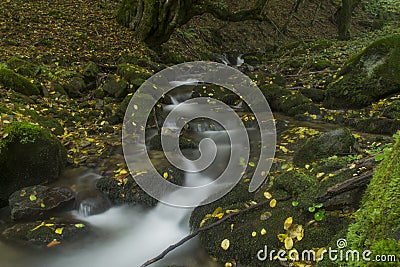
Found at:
(344, 18)
(153, 21)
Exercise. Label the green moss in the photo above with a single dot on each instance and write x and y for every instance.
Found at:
(131, 72)
(372, 74)
(17, 82)
(379, 217)
(23, 133)
(23, 67)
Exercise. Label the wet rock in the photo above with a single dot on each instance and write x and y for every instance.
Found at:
(29, 155)
(372, 74)
(127, 191)
(115, 87)
(91, 202)
(48, 233)
(32, 203)
(12, 80)
(184, 142)
(337, 142)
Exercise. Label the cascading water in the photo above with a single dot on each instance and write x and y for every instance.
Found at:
(129, 236)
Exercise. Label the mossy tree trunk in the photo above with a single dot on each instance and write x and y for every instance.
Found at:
(153, 21)
(344, 18)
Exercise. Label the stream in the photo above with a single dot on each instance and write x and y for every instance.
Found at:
(126, 236)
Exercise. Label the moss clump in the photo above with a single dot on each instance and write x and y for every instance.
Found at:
(335, 142)
(23, 67)
(133, 73)
(378, 220)
(29, 155)
(17, 82)
(372, 74)
(393, 110)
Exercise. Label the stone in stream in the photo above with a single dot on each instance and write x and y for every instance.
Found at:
(48, 233)
(32, 203)
(91, 202)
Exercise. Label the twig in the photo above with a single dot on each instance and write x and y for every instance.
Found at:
(309, 73)
(205, 228)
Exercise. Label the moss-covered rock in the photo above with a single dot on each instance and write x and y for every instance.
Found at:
(133, 73)
(392, 111)
(75, 87)
(43, 233)
(17, 82)
(372, 74)
(29, 155)
(115, 87)
(128, 191)
(250, 232)
(375, 125)
(335, 142)
(36, 202)
(377, 223)
(23, 67)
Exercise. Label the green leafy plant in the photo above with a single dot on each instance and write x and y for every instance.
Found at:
(319, 213)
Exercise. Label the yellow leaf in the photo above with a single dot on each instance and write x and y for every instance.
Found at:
(288, 243)
(263, 231)
(232, 211)
(307, 166)
(79, 225)
(282, 237)
(122, 172)
(267, 195)
(42, 205)
(216, 211)
(37, 227)
(165, 175)
(219, 215)
(288, 223)
(253, 234)
(59, 231)
(228, 264)
(284, 149)
(272, 203)
(32, 197)
(53, 243)
(225, 244)
(320, 174)
(49, 224)
(251, 164)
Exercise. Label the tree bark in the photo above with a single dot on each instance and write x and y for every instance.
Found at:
(344, 18)
(153, 21)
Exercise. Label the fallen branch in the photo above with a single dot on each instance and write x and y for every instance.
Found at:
(348, 185)
(205, 228)
(310, 73)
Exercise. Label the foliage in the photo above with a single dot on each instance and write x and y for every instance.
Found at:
(378, 218)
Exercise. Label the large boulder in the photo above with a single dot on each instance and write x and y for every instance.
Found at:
(23, 67)
(29, 155)
(372, 74)
(337, 142)
(35, 202)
